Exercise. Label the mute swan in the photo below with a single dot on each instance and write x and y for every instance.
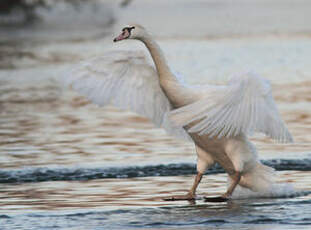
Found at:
(216, 118)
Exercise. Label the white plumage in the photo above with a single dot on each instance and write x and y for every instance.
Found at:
(244, 106)
(216, 118)
(125, 79)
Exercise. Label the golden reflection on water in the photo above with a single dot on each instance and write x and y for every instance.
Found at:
(114, 193)
(43, 124)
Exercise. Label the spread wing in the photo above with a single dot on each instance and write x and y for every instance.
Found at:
(245, 106)
(124, 79)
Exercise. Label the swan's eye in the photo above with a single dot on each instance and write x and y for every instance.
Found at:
(128, 29)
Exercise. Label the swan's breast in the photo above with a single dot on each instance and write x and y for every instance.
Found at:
(216, 147)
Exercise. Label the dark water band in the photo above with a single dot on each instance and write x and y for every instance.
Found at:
(77, 174)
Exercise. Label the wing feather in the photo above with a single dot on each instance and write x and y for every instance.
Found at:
(126, 80)
(245, 106)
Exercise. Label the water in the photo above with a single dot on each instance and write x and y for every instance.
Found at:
(68, 164)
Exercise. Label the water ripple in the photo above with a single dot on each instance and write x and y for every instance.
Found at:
(175, 217)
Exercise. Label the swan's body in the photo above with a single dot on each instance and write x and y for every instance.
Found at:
(217, 118)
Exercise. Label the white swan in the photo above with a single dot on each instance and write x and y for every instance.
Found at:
(217, 118)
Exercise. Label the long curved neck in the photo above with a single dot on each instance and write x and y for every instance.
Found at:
(162, 67)
(168, 82)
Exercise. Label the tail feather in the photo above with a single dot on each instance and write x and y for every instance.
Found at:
(260, 181)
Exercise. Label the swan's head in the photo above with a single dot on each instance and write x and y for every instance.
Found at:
(131, 32)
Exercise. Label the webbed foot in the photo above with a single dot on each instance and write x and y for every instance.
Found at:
(216, 199)
(180, 197)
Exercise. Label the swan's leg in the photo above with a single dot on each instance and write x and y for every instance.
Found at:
(235, 181)
(191, 194)
(196, 183)
(204, 161)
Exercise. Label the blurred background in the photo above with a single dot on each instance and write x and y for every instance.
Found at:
(67, 163)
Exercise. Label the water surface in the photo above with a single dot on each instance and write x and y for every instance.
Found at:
(68, 164)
